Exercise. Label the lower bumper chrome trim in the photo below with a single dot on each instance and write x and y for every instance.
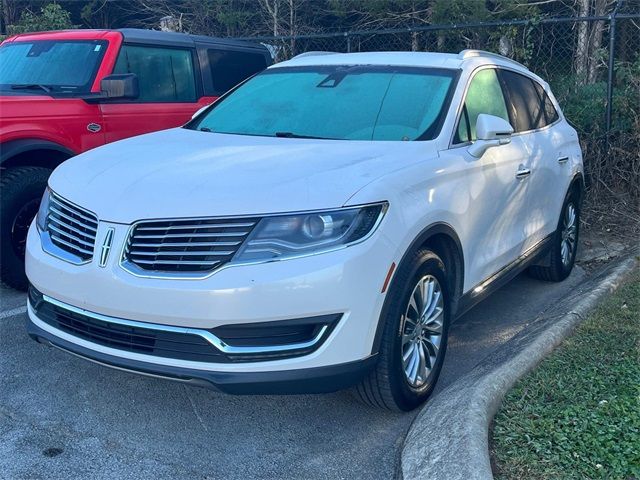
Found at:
(205, 334)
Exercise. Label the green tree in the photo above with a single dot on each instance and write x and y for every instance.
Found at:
(512, 41)
(51, 17)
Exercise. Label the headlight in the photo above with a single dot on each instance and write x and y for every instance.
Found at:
(41, 218)
(280, 237)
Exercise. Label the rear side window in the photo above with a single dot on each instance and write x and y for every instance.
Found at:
(484, 95)
(229, 67)
(550, 112)
(164, 74)
(527, 106)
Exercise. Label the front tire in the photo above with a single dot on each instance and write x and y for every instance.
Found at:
(414, 339)
(564, 243)
(22, 189)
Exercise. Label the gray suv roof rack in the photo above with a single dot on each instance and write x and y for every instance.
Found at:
(315, 53)
(469, 53)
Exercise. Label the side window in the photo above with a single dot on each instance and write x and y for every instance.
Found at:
(230, 67)
(484, 95)
(550, 112)
(164, 74)
(527, 107)
(463, 131)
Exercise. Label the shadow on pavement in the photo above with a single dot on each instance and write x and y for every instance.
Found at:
(63, 417)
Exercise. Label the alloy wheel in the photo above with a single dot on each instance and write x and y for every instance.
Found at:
(569, 234)
(422, 326)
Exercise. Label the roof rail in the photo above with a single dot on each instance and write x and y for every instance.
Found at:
(316, 53)
(469, 53)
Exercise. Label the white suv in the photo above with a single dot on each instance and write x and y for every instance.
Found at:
(318, 227)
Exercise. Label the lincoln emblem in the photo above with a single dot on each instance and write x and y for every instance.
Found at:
(106, 248)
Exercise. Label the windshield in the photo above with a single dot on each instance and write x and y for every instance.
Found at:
(58, 66)
(336, 102)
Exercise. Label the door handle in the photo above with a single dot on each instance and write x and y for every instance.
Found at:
(523, 173)
(563, 159)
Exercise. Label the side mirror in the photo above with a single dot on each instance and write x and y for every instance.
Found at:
(491, 131)
(123, 85)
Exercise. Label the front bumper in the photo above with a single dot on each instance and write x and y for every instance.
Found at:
(307, 380)
(345, 282)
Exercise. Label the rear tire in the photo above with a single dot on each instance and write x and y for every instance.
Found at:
(22, 189)
(411, 340)
(564, 243)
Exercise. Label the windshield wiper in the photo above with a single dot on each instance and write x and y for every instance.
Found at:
(295, 135)
(32, 86)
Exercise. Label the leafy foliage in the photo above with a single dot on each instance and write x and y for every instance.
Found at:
(51, 17)
(578, 415)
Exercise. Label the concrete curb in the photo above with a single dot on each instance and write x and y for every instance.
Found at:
(449, 438)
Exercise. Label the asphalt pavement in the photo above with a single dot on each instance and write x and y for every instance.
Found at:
(64, 417)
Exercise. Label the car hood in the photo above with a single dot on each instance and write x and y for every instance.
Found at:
(184, 173)
(21, 104)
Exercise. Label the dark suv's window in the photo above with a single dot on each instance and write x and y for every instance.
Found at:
(229, 67)
(484, 95)
(530, 106)
(164, 74)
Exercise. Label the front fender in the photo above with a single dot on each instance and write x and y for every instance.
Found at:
(12, 148)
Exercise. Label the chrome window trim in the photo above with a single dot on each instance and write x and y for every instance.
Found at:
(141, 273)
(205, 334)
(453, 145)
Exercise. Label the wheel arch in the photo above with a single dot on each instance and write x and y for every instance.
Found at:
(33, 153)
(443, 240)
(578, 185)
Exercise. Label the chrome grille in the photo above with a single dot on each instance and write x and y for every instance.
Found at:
(186, 245)
(71, 228)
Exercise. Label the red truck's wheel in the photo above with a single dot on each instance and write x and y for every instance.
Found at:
(22, 189)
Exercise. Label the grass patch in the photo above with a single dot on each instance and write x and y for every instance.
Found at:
(578, 414)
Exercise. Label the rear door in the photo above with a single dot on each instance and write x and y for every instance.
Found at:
(170, 90)
(535, 121)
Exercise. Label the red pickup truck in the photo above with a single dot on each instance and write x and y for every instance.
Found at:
(62, 93)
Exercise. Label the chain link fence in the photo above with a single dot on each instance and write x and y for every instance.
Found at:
(573, 54)
(591, 63)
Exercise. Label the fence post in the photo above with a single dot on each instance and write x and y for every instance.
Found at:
(348, 35)
(612, 43)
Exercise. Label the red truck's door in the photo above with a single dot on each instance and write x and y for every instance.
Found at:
(170, 91)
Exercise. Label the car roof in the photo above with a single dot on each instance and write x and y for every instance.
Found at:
(464, 59)
(139, 35)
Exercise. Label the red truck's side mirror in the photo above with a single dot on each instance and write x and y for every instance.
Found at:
(123, 85)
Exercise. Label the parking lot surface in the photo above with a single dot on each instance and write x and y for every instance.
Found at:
(64, 417)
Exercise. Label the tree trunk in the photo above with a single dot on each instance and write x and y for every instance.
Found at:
(582, 44)
(275, 17)
(596, 41)
(8, 15)
(415, 42)
(292, 26)
(506, 46)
